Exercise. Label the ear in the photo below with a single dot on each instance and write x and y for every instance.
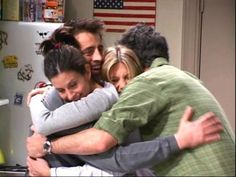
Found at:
(88, 71)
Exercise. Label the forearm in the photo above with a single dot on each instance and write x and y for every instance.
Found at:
(135, 156)
(87, 142)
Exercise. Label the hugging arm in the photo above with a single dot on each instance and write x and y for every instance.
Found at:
(190, 134)
(126, 159)
(135, 155)
(49, 114)
(204, 130)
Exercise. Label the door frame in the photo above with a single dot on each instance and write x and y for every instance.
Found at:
(191, 46)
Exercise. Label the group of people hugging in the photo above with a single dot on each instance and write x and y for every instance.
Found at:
(123, 110)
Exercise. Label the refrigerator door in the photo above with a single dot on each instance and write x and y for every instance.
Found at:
(20, 69)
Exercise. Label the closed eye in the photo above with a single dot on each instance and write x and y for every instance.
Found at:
(72, 84)
(114, 80)
(60, 90)
(88, 51)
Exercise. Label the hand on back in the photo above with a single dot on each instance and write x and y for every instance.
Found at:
(206, 129)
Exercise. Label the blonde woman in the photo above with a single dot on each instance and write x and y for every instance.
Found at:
(120, 66)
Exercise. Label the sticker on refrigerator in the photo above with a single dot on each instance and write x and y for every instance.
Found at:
(3, 39)
(18, 99)
(10, 61)
(25, 73)
(38, 51)
(43, 34)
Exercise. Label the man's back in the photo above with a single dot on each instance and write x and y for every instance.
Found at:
(157, 99)
(180, 89)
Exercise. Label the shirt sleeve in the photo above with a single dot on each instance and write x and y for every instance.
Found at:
(85, 170)
(135, 156)
(52, 99)
(138, 104)
(71, 114)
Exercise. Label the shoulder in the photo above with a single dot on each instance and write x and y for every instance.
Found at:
(108, 89)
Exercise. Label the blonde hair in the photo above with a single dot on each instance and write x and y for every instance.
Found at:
(121, 54)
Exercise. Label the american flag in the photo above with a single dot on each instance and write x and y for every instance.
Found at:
(119, 15)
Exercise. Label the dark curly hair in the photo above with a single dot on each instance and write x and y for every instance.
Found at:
(91, 25)
(146, 43)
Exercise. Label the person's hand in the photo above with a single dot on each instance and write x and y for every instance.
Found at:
(34, 145)
(204, 130)
(36, 91)
(38, 167)
(32, 128)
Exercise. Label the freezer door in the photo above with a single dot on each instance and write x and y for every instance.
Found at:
(19, 54)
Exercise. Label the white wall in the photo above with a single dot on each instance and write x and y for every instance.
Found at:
(208, 49)
(217, 69)
(169, 23)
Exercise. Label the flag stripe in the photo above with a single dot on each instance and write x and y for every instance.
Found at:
(102, 11)
(108, 15)
(118, 15)
(139, 8)
(146, 4)
(137, 20)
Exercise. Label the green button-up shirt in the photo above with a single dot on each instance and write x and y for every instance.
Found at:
(154, 102)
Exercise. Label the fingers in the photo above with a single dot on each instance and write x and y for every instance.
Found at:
(29, 98)
(205, 117)
(188, 114)
(211, 123)
(29, 165)
(33, 128)
(31, 94)
(213, 128)
(30, 174)
(212, 138)
(35, 92)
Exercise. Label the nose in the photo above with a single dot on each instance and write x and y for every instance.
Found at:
(97, 55)
(70, 96)
(120, 85)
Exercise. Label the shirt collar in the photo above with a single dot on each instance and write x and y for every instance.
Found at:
(159, 62)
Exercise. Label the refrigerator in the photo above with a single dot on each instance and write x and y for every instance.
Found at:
(21, 67)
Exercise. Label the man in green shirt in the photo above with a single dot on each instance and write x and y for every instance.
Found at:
(154, 102)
